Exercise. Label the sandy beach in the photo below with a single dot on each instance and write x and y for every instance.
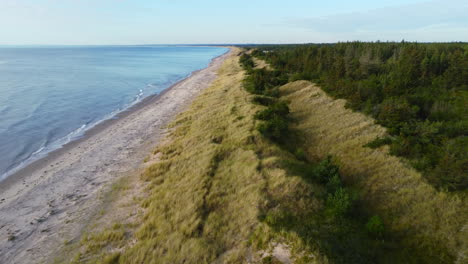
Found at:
(51, 200)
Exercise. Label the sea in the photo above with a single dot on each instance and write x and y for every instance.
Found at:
(51, 95)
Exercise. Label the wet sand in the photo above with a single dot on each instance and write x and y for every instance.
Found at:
(50, 201)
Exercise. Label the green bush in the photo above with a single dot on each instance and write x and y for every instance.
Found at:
(263, 100)
(334, 183)
(247, 62)
(338, 203)
(326, 170)
(378, 142)
(272, 92)
(278, 109)
(300, 154)
(263, 81)
(375, 226)
(275, 128)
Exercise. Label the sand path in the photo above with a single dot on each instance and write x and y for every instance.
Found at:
(50, 201)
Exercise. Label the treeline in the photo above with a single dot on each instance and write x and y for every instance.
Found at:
(341, 229)
(417, 91)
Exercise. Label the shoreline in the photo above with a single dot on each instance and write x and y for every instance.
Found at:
(49, 201)
(21, 172)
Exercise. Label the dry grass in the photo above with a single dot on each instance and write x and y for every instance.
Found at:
(260, 64)
(207, 188)
(415, 211)
(112, 227)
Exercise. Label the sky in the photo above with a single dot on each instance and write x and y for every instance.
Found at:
(131, 22)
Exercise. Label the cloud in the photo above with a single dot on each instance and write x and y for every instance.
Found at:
(420, 19)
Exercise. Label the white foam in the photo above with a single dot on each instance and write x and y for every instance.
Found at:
(45, 149)
(76, 134)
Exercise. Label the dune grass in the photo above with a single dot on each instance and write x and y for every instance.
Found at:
(260, 64)
(220, 192)
(205, 192)
(422, 217)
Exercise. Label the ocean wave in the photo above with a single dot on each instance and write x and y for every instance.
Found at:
(49, 147)
(51, 144)
(5, 109)
(45, 149)
(139, 96)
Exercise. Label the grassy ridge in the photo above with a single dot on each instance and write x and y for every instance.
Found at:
(206, 192)
(429, 231)
(418, 91)
(228, 187)
(430, 223)
(417, 213)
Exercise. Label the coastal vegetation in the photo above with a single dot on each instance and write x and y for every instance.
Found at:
(417, 91)
(263, 168)
(322, 126)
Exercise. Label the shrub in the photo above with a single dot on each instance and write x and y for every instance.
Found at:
(246, 62)
(263, 100)
(279, 109)
(326, 170)
(338, 203)
(375, 226)
(300, 154)
(334, 183)
(378, 142)
(272, 92)
(276, 128)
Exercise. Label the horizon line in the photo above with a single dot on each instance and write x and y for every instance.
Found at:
(235, 44)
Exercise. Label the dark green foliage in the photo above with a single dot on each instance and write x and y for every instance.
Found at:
(452, 165)
(247, 62)
(273, 92)
(342, 230)
(279, 109)
(326, 170)
(338, 203)
(375, 226)
(300, 154)
(275, 128)
(276, 125)
(264, 83)
(378, 142)
(258, 54)
(340, 227)
(263, 100)
(418, 91)
(339, 200)
(260, 81)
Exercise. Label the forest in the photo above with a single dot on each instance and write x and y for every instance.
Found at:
(418, 91)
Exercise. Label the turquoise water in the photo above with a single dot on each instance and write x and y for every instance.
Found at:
(52, 95)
